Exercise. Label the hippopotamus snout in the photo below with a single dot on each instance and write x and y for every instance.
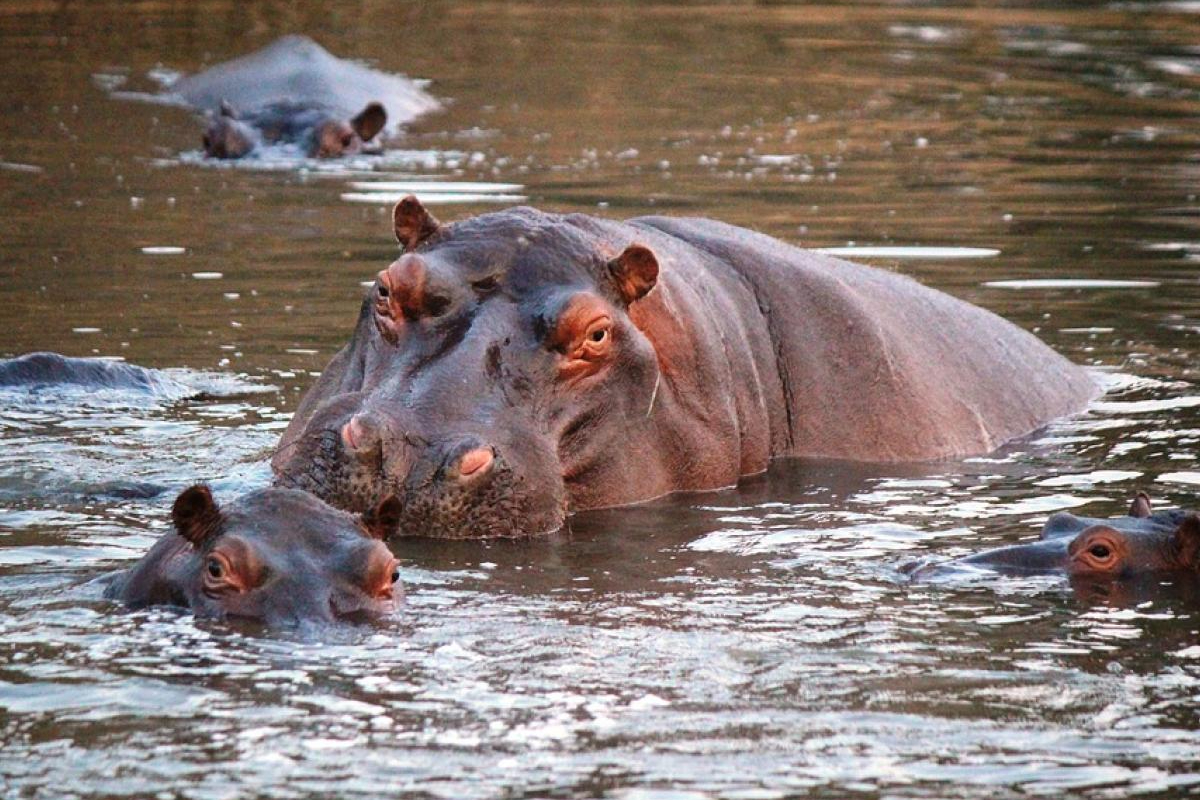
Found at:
(452, 485)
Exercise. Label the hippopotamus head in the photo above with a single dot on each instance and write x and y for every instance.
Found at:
(278, 556)
(332, 137)
(1140, 544)
(227, 136)
(495, 379)
(320, 132)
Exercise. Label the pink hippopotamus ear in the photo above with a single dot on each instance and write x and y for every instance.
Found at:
(412, 223)
(384, 519)
(634, 272)
(196, 515)
(1187, 541)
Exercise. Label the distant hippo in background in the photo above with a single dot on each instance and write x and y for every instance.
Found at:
(277, 556)
(44, 370)
(515, 367)
(319, 132)
(295, 92)
(1141, 544)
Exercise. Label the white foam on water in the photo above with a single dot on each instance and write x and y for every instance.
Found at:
(208, 276)
(1087, 479)
(12, 166)
(438, 187)
(1086, 330)
(1145, 406)
(1189, 478)
(434, 198)
(1070, 283)
(911, 252)
(164, 250)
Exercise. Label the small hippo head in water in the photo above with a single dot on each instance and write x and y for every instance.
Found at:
(227, 136)
(277, 556)
(320, 132)
(1141, 544)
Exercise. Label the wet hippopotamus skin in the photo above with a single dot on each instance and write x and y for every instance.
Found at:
(293, 91)
(515, 367)
(1141, 544)
(277, 556)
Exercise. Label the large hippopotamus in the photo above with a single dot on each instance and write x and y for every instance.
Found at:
(1142, 543)
(294, 91)
(278, 556)
(509, 369)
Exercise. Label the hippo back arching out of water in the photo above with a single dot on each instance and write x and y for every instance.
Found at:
(1140, 544)
(295, 91)
(517, 366)
(277, 556)
(38, 370)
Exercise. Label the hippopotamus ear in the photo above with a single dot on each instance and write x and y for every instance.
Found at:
(1187, 541)
(196, 515)
(1140, 507)
(412, 223)
(635, 272)
(383, 520)
(369, 121)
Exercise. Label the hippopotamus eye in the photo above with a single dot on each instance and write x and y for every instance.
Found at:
(599, 334)
(383, 291)
(1100, 551)
(215, 568)
(347, 138)
(395, 576)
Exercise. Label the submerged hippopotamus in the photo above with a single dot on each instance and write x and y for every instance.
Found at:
(293, 91)
(510, 369)
(278, 556)
(35, 370)
(1141, 544)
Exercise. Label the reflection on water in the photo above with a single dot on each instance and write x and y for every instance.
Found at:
(756, 643)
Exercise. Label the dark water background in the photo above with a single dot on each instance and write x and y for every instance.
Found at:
(744, 645)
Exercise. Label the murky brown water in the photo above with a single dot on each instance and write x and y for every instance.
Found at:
(750, 644)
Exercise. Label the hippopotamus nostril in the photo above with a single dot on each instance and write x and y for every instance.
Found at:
(476, 462)
(361, 435)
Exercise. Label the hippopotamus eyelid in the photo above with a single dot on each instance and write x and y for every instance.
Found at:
(486, 285)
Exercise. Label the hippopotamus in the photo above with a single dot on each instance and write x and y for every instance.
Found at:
(277, 556)
(293, 91)
(46, 369)
(1141, 544)
(509, 369)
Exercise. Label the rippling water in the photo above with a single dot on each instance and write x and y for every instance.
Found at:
(747, 645)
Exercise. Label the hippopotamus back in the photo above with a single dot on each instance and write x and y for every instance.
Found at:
(297, 70)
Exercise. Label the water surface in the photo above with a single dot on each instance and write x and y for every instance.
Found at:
(750, 644)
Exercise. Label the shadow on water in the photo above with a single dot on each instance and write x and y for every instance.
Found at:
(758, 642)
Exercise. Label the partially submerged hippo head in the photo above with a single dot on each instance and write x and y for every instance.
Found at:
(491, 381)
(227, 136)
(1140, 544)
(321, 133)
(278, 556)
